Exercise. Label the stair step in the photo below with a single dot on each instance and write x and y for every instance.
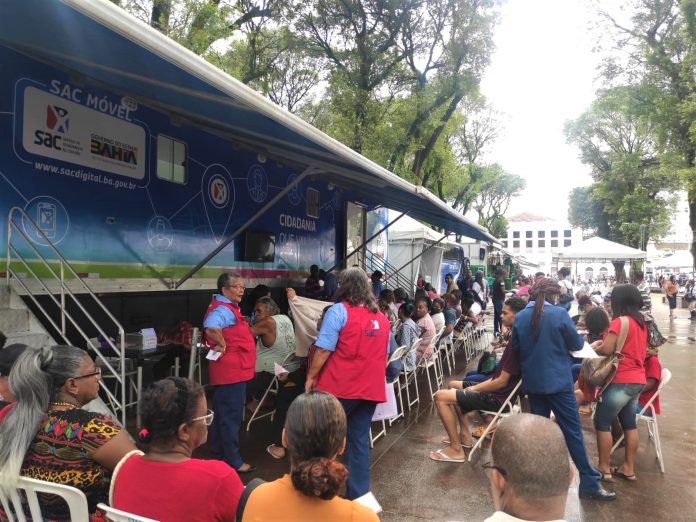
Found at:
(36, 339)
(12, 320)
(9, 299)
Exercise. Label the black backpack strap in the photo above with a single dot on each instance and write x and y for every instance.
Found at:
(248, 489)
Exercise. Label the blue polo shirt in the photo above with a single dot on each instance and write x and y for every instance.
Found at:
(220, 317)
(545, 359)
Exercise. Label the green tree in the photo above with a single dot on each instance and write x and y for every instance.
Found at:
(657, 48)
(586, 212)
(633, 182)
(493, 200)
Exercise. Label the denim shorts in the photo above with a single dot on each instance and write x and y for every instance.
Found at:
(618, 400)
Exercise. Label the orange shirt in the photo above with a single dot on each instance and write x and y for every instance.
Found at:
(279, 500)
(671, 288)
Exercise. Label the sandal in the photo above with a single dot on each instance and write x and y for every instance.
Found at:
(607, 477)
(621, 474)
(269, 450)
(445, 440)
(441, 456)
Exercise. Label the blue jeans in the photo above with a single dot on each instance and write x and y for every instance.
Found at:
(565, 408)
(228, 405)
(474, 376)
(357, 456)
(497, 310)
(618, 400)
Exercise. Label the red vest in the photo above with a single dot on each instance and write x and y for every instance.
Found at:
(238, 362)
(357, 368)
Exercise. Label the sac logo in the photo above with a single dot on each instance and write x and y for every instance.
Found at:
(56, 120)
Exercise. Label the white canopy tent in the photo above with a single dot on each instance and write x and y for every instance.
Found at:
(408, 239)
(597, 249)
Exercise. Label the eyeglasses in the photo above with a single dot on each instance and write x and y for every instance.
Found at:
(97, 371)
(239, 287)
(207, 418)
(500, 470)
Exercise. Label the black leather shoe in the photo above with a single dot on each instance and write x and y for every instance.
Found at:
(598, 494)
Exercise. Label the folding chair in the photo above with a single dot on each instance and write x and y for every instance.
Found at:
(398, 354)
(432, 362)
(273, 388)
(651, 419)
(116, 515)
(383, 431)
(511, 404)
(195, 355)
(18, 508)
(410, 375)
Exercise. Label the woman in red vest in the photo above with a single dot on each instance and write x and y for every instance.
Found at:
(228, 332)
(350, 362)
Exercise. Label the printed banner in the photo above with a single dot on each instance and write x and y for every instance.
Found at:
(57, 128)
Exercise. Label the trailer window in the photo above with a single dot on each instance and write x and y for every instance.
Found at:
(312, 202)
(171, 159)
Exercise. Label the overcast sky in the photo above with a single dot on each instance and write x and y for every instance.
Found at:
(541, 75)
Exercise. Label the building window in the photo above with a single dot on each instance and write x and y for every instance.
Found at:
(554, 233)
(516, 234)
(542, 243)
(505, 243)
(541, 234)
(515, 244)
(566, 242)
(171, 159)
(554, 243)
(566, 233)
(528, 233)
(528, 243)
(312, 202)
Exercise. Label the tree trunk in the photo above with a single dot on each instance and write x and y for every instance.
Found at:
(161, 9)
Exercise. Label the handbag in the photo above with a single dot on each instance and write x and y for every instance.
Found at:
(600, 371)
(655, 337)
(388, 409)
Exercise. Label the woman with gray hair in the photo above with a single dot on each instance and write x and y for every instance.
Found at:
(46, 435)
(350, 362)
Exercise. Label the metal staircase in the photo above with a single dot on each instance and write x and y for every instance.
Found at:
(393, 278)
(30, 272)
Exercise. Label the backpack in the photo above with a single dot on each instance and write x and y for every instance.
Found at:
(486, 363)
(567, 297)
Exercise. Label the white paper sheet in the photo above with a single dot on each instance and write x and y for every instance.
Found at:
(278, 369)
(586, 352)
(369, 500)
(213, 355)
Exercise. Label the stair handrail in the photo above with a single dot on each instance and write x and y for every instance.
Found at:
(10, 275)
(390, 270)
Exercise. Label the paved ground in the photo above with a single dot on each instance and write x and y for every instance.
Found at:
(411, 487)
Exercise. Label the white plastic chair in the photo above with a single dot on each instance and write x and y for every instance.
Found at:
(651, 419)
(433, 362)
(410, 376)
(509, 407)
(17, 508)
(272, 388)
(399, 353)
(195, 356)
(116, 515)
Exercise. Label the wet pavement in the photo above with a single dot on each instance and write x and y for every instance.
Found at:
(411, 487)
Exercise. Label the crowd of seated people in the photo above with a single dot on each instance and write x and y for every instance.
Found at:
(309, 428)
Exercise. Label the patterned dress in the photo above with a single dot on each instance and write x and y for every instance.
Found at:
(62, 452)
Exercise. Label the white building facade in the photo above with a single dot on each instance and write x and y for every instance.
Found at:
(537, 238)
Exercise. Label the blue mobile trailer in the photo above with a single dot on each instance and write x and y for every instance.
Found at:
(149, 169)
